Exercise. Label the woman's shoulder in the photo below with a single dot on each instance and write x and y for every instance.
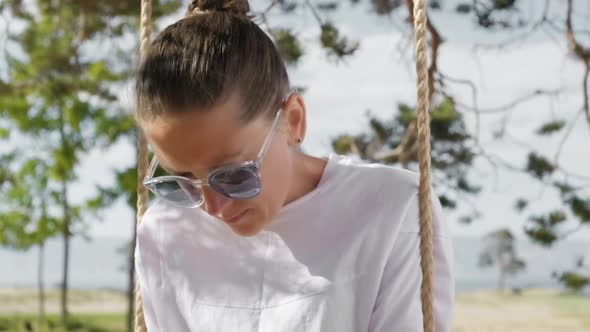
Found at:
(385, 192)
(374, 178)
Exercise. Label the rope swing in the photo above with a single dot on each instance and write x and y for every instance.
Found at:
(423, 123)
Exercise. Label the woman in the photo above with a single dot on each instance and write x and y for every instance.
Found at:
(249, 233)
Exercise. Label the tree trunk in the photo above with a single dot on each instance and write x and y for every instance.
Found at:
(40, 263)
(66, 236)
(131, 282)
(501, 278)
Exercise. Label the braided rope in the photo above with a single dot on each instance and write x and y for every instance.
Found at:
(142, 160)
(424, 161)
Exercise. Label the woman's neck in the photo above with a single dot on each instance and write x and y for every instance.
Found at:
(307, 173)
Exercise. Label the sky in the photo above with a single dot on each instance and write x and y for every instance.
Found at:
(378, 78)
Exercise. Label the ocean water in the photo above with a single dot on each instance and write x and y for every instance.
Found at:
(99, 263)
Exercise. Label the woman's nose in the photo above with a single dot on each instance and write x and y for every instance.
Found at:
(213, 201)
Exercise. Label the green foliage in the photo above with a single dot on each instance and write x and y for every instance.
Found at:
(127, 184)
(343, 144)
(65, 101)
(542, 228)
(545, 229)
(335, 44)
(580, 208)
(467, 219)
(463, 8)
(496, 13)
(24, 219)
(406, 114)
(385, 7)
(556, 217)
(573, 281)
(79, 323)
(59, 96)
(451, 148)
(4, 133)
(434, 4)
(379, 129)
(563, 187)
(551, 127)
(521, 204)
(446, 202)
(466, 186)
(288, 45)
(98, 71)
(445, 112)
(113, 126)
(328, 5)
(539, 166)
(503, 4)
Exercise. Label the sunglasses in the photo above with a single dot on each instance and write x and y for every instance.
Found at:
(234, 181)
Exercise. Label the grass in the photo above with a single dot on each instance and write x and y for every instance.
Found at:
(534, 310)
(485, 311)
(77, 323)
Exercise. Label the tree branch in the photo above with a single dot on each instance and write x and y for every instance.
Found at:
(521, 37)
(568, 132)
(263, 18)
(435, 41)
(407, 150)
(271, 6)
(314, 12)
(512, 104)
(497, 160)
(585, 92)
(581, 53)
(471, 85)
(571, 231)
(265, 22)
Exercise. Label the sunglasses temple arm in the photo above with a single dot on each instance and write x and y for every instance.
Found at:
(266, 144)
(152, 168)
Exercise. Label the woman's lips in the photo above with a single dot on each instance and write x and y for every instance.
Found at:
(236, 218)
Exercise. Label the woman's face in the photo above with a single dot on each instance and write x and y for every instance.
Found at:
(194, 143)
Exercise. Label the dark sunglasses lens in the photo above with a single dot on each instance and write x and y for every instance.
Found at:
(179, 193)
(237, 183)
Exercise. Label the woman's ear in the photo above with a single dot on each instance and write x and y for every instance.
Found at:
(295, 112)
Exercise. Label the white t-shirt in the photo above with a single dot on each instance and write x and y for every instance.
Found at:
(344, 257)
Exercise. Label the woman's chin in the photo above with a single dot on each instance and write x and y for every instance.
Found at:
(248, 226)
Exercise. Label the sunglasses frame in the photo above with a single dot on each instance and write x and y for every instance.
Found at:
(254, 166)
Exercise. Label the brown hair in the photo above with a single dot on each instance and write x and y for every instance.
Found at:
(212, 53)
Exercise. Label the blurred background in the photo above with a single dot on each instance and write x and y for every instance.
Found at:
(510, 139)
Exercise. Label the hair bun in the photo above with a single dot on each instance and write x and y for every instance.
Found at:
(238, 7)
